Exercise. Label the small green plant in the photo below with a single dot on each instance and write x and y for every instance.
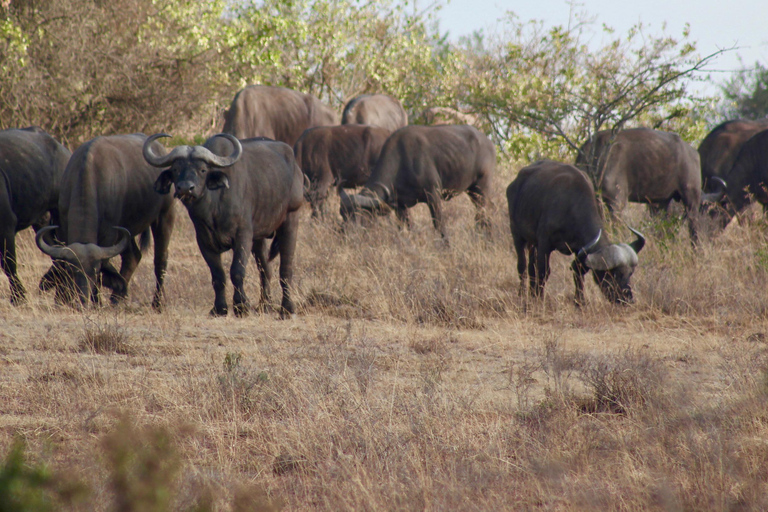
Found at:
(33, 488)
(23, 487)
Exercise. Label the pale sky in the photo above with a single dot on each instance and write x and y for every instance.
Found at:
(714, 24)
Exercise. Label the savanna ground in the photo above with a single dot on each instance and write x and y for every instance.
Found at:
(412, 378)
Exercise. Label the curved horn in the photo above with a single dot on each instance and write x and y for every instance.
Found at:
(585, 250)
(639, 243)
(52, 251)
(612, 256)
(164, 160)
(714, 197)
(104, 253)
(207, 155)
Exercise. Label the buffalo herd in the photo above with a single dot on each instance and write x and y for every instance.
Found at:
(243, 189)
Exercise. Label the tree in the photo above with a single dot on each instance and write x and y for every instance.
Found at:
(546, 90)
(746, 93)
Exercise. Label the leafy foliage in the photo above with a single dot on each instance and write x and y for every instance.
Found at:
(541, 87)
(81, 68)
(746, 93)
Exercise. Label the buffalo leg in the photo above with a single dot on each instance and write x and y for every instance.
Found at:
(241, 252)
(162, 229)
(113, 280)
(542, 268)
(692, 202)
(403, 217)
(481, 215)
(218, 279)
(319, 195)
(435, 209)
(286, 236)
(533, 285)
(8, 261)
(130, 259)
(579, 271)
(259, 251)
(520, 250)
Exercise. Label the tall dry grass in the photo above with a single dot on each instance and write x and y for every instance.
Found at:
(413, 378)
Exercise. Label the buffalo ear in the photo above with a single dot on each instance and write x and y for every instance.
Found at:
(216, 180)
(164, 182)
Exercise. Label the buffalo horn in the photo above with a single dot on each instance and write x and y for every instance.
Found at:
(714, 197)
(57, 252)
(612, 256)
(164, 160)
(104, 253)
(639, 243)
(207, 155)
(585, 250)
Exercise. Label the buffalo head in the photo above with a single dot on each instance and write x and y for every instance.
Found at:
(612, 266)
(367, 202)
(78, 264)
(193, 169)
(717, 204)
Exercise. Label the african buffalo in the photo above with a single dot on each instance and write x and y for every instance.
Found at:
(236, 202)
(375, 110)
(337, 155)
(426, 164)
(746, 181)
(31, 165)
(107, 198)
(276, 113)
(719, 149)
(552, 206)
(644, 166)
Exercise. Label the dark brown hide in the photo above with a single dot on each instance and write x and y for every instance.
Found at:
(107, 184)
(375, 110)
(31, 165)
(747, 180)
(238, 208)
(426, 164)
(276, 113)
(719, 149)
(337, 155)
(644, 166)
(552, 207)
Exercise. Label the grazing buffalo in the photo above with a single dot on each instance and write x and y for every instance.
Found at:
(31, 165)
(746, 181)
(276, 113)
(426, 164)
(337, 155)
(375, 110)
(644, 166)
(552, 206)
(236, 202)
(107, 198)
(720, 147)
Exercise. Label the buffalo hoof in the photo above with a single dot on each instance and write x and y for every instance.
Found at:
(18, 299)
(157, 305)
(287, 313)
(241, 309)
(264, 307)
(218, 311)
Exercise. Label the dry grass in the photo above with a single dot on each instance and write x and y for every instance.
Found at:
(413, 378)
